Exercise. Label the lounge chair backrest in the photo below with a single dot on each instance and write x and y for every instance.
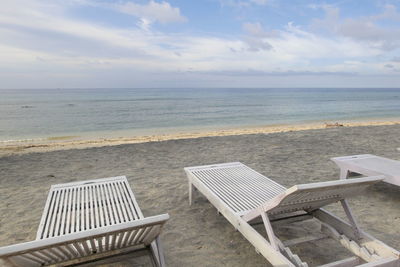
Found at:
(313, 196)
(82, 244)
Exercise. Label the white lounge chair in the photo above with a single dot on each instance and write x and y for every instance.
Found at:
(243, 195)
(368, 164)
(87, 221)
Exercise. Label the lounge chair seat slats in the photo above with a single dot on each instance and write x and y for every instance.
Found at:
(240, 187)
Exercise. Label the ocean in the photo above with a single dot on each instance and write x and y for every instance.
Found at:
(56, 113)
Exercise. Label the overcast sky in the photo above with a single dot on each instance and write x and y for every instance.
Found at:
(199, 43)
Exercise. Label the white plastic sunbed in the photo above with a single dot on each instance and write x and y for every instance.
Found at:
(87, 221)
(243, 195)
(368, 164)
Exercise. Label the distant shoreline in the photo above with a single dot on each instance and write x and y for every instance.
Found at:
(12, 147)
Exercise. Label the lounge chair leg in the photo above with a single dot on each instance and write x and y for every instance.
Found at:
(157, 252)
(351, 218)
(160, 252)
(190, 192)
(344, 174)
(270, 231)
(153, 259)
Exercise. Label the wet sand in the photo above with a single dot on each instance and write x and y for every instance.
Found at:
(196, 235)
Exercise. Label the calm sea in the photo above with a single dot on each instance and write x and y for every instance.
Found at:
(32, 114)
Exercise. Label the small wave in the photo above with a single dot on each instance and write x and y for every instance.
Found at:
(21, 140)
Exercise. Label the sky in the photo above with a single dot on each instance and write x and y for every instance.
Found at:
(199, 43)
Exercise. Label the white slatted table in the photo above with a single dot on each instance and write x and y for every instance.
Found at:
(82, 206)
(367, 164)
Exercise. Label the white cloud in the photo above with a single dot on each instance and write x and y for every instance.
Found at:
(260, 2)
(362, 29)
(152, 11)
(244, 3)
(41, 43)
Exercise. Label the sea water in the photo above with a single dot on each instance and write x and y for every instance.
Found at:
(52, 113)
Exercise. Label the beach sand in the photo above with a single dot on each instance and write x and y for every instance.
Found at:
(12, 147)
(195, 235)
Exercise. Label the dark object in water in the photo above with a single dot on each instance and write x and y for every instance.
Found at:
(27, 106)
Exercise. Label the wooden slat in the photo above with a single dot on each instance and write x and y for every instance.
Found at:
(86, 205)
(79, 207)
(137, 213)
(124, 202)
(40, 256)
(53, 216)
(116, 203)
(52, 258)
(111, 203)
(31, 258)
(42, 231)
(79, 249)
(97, 206)
(91, 208)
(73, 212)
(64, 213)
(71, 250)
(86, 248)
(108, 205)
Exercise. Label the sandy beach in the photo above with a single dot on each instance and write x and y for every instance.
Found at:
(54, 143)
(195, 235)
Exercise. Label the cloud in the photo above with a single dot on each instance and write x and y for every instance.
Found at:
(45, 42)
(244, 3)
(161, 12)
(257, 30)
(257, 37)
(251, 73)
(260, 2)
(396, 59)
(367, 31)
(364, 29)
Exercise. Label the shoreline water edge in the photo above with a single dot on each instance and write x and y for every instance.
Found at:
(12, 147)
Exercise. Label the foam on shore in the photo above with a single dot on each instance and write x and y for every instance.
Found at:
(10, 147)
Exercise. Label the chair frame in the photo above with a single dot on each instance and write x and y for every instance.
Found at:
(364, 246)
(65, 239)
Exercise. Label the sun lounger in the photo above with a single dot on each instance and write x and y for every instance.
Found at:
(87, 221)
(368, 164)
(243, 196)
